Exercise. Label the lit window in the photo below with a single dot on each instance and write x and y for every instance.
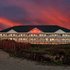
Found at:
(44, 34)
(10, 38)
(24, 39)
(13, 38)
(14, 34)
(46, 39)
(0, 34)
(10, 35)
(66, 35)
(21, 35)
(4, 34)
(31, 34)
(41, 35)
(51, 39)
(35, 34)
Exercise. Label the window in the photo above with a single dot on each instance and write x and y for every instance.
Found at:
(35, 34)
(4, 34)
(10, 38)
(14, 39)
(14, 34)
(1, 34)
(21, 35)
(20, 39)
(46, 39)
(66, 35)
(10, 35)
(31, 39)
(31, 34)
(52, 39)
(41, 35)
(24, 39)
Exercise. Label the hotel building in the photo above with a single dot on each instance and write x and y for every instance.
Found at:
(37, 36)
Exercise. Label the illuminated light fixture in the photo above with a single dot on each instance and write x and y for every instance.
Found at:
(35, 30)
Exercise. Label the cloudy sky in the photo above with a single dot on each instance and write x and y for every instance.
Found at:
(34, 12)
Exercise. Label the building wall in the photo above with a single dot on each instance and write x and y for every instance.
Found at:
(41, 38)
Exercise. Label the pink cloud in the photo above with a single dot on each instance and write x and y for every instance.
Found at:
(49, 14)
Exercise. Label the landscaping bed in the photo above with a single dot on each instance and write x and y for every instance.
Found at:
(45, 54)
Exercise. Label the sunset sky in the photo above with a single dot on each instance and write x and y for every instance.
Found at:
(34, 12)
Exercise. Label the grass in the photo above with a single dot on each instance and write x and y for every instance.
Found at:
(36, 51)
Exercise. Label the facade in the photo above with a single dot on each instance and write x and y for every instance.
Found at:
(37, 36)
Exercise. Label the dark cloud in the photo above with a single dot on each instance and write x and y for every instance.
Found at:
(37, 11)
(12, 12)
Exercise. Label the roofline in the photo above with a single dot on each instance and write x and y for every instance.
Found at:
(35, 33)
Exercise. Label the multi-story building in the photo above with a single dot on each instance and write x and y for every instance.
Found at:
(37, 35)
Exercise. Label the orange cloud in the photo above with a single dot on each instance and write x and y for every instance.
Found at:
(39, 15)
(8, 23)
(54, 17)
(48, 15)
